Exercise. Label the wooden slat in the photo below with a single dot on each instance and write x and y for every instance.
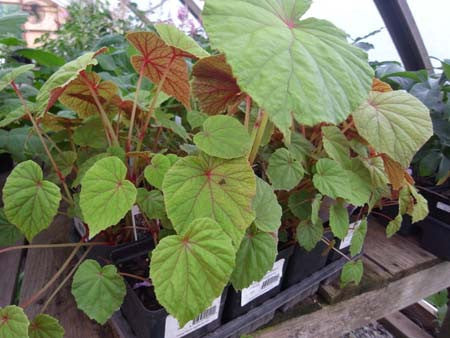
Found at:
(402, 327)
(40, 266)
(365, 308)
(10, 263)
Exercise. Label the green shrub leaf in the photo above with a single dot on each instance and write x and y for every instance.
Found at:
(336, 144)
(284, 170)
(151, 203)
(420, 208)
(294, 74)
(30, 201)
(45, 326)
(300, 204)
(196, 118)
(91, 134)
(339, 220)
(300, 147)
(203, 186)
(155, 172)
(358, 238)
(224, 137)
(309, 234)
(9, 234)
(394, 123)
(14, 322)
(98, 291)
(106, 196)
(352, 272)
(255, 257)
(190, 270)
(331, 179)
(267, 210)
(13, 74)
(82, 169)
(360, 182)
(394, 226)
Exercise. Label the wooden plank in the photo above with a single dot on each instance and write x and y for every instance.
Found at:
(403, 29)
(402, 327)
(10, 263)
(40, 266)
(335, 320)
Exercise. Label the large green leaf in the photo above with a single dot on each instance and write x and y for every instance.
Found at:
(394, 123)
(352, 272)
(151, 203)
(9, 234)
(254, 258)
(106, 196)
(358, 238)
(284, 170)
(191, 269)
(360, 182)
(224, 137)
(309, 234)
(30, 201)
(91, 134)
(267, 210)
(378, 176)
(339, 220)
(13, 116)
(155, 172)
(336, 144)
(300, 204)
(42, 57)
(98, 291)
(172, 36)
(83, 168)
(286, 64)
(203, 186)
(45, 326)
(11, 75)
(331, 179)
(13, 322)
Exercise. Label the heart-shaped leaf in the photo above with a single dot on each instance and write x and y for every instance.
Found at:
(13, 74)
(151, 203)
(214, 85)
(203, 186)
(155, 172)
(339, 220)
(352, 272)
(173, 37)
(85, 166)
(254, 258)
(394, 123)
(13, 322)
(45, 326)
(360, 182)
(191, 269)
(267, 210)
(160, 62)
(293, 73)
(106, 196)
(30, 201)
(335, 144)
(9, 234)
(331, 179)
(300, 203)
(224, 137)
(309, 234)
(98, 291)
(284, 170)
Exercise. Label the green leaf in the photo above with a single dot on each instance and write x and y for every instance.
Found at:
(65, 161)
(336, 144)
(164, 120)
(331, 179)
(352, 272)
(41, 57)
(309, 234)
(360, 182)
(394, 123)
(339, 220)
(300, 147)
(12, 116)
(106, 196)
(195, 118)
(300, 204)
(224, 137)
(9, 234)
(45, 326)
(13, 323)
(13, 74)
(151, 203)
(254, 258)
(191, 269)
(420, 208)
(284, 170)
(267, 210)
(30, 201)
(172, 36)
(82, 169)
(91, 134)
(315, 208)
(98, 291)
(155, 172)
(203, 186)
(378, 176)
(394, 226)
(294, 74)
(358, 238)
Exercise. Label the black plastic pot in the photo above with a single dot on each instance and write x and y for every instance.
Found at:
(438, 202)
(156, 323)
(240, 302)
(6, 163)
(436, 237)
(304, 263)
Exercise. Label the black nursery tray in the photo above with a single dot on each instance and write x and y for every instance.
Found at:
(260, 315)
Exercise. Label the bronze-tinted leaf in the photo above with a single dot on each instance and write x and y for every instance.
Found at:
(380, 86)
(394, 171)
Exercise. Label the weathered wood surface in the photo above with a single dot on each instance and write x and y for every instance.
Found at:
(402, 327)
(40, 266)
(10, 264)
(334, 320)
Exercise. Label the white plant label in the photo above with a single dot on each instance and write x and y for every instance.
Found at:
(79, 226)
(173, 330)
(268, 282)
(443, 206)
(348, 239)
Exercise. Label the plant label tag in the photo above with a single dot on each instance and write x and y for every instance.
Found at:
(268, 282)
(348, 239)
(443, 206)
(173, 330)
(79, 226)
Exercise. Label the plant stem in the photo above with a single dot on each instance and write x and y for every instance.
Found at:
(53, 279)
(133, 111)
(248, 108)
(260, 127)
(44, 144)
(338, 251)
(51, 246)
(348, 126)
(64, 281)
(134, 276)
